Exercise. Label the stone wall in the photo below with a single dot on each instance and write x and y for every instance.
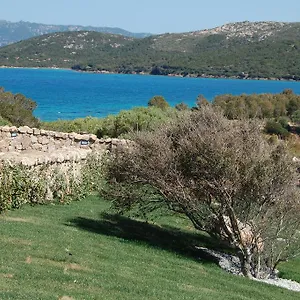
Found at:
(32, 146)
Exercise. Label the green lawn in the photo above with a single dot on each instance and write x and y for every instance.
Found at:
(84, 252)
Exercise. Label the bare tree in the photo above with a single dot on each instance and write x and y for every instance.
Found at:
(224, 176)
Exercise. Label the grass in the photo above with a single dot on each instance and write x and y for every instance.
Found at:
(82, 251)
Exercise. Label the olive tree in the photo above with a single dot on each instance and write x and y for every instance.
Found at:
(224, 176)
(158, 101)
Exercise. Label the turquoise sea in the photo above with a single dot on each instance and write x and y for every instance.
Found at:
(66, 94)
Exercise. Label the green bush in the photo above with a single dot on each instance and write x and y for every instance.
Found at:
(17, 109)
(273, 127)
(4, 122)
(159, 101)
(87, 124)
(296, 117)
(136, 119)
(20, 184)
(181, 106)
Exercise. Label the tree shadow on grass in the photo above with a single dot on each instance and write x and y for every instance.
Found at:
(164, 237)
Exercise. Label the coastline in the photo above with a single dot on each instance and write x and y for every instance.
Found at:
(192, 75)
(36, 68)
(205, 76)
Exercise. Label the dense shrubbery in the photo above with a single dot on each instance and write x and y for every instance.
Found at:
(279, 109)
(136, 119)
(260, 106)
(17, 109)
(158, 101)
(20, 184)
(273, 127)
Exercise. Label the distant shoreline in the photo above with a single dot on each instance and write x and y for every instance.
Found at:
(36, 68)
(147, 73)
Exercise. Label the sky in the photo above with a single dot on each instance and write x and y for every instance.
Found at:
(152, 16)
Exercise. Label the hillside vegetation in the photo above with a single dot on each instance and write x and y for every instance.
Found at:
(11, 32)
(241, 50)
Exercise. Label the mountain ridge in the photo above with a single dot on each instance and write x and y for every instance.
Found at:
(11, 32)
(237, 50)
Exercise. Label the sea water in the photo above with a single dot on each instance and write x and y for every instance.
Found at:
(66, 94)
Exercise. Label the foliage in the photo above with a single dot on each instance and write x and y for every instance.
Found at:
(201, 101)
(273, 127)
(16, 31)
(284, 104)
(271, 54)
(80, 125)
(158, 101)
(225, 177)
(20, 184)
(17, 109)
(181, 106)
(4, 122)
(127, 121)
(296, 116)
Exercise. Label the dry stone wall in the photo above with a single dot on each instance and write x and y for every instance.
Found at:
(32, 146)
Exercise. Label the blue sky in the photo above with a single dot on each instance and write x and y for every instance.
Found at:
(155, 16)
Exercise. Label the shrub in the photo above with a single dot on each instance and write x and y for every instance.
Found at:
(17, 109)
(273, 127)
(63, 183)
(136, 119)
(159, 101)
(181, 106)
(296, 117)
(224, 176)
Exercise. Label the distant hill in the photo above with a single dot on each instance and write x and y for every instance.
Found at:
(238, 50)
(11, 32)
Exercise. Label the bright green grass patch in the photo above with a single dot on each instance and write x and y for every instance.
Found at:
(84, 252)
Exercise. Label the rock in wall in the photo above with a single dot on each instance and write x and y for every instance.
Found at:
(32, 146)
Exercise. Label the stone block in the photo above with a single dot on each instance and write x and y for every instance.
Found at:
(3, 146)
(44, 140)
(44, 148)
(18, 147)
(34, 139)
(51, 133)
(85, 137)
(78, 137)
(13, 129)
(37, 147)
(23, 129)
(30, 130)
(72, 135)
(58, 135)
(64, 136)
(51, 148)
(26, 142)
(93, 137)
(5, 128)
(36, 131)
(60, 157)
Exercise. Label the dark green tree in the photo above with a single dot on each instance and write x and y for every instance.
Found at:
(17, 109)
(158, 101)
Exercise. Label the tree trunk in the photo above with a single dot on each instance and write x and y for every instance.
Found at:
(245, 259)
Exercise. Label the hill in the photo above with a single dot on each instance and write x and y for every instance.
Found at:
(11, 32)
(238, 50)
